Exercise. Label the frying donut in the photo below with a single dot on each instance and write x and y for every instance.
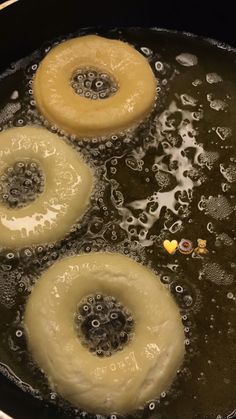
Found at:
(116, 64)
(124, 381)
(65, 196)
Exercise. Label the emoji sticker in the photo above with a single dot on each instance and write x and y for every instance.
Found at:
(170, 246)
(201, 249)
(185, 246)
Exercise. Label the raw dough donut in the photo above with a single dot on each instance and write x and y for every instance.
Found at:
(125, 381)
(84, 117)
(68, 184)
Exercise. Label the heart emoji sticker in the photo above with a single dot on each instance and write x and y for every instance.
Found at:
(170, 246)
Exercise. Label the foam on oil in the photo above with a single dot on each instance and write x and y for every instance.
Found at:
(173, 177)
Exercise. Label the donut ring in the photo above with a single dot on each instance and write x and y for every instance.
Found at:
(58, 102)
(68, 184)
(125, 381)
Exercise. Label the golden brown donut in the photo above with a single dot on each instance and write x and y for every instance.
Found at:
(61, 106)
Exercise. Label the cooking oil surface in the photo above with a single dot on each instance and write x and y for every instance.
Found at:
(174, 177)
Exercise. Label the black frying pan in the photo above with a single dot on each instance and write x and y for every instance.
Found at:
(25, 25)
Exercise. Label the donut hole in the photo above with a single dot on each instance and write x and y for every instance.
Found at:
(93, 84)
(103, 324)
(21, 184)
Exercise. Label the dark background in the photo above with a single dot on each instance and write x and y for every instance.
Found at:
(28, 23)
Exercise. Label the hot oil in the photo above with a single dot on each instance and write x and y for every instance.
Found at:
(173, 177)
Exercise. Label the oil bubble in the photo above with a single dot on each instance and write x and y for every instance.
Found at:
(229, 172)
(217, 274)
(218, 207)
(152, 405)
(223, 133)
(186, 59)
(212, 78)
(8, 111)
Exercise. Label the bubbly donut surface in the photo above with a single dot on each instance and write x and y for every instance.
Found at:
(84, 117)
(67, 187)
(126, 380)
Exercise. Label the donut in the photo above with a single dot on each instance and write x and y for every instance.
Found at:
(64, 197)
(104, 65)
(185, 246)
(143, 368)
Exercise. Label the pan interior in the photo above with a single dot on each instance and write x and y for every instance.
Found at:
(173, 177)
